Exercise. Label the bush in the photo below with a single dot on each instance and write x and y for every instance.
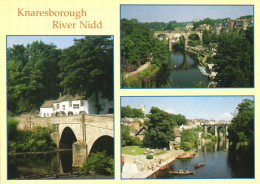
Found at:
(12, 128)
(149, 156)
(186, 146)
(100, 163)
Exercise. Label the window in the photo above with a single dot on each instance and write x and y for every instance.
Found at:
(58, 106)
(70, 104)
(75, 106)
(81, 103)
(63, 107)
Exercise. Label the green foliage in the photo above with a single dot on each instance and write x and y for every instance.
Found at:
(127, 139)
(234, 60)
(189, 136)
(36, 139)
(87, 68)
(160, 129)
(12, 128)
(242, 127)
(100, 163)
(186, 146)
(138, 46)
(32, 75)
(131, 112)
(149, 157)
(180, 119)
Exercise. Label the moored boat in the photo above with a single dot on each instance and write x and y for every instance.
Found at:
(163, 167)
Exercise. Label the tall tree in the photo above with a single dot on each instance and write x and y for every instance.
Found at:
(32, 75)
(242, 128)
(160, 129)
(87, 68)
(234, 61)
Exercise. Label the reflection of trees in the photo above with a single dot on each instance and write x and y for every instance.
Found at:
(185, 65)
(243, 165)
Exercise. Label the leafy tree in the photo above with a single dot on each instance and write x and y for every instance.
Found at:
(180, 119)
(138, 113)
(131, 112)
(126, 112)
(32, 75)
(190, 137)
(138, 45)
(100, 163)
(126, 137)
(87, 68)
(160, 129)
(234, 61)
(241, 130)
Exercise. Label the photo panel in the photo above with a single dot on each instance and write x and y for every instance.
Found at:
(187, 137)
(60, 107)
(187, 46)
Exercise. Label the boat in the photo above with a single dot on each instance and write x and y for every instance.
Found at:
(183, 156)
(163, 167)
(199, 165)
(182, 173)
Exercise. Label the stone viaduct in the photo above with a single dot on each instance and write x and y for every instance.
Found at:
(88, 129)
(185, 33)
(216, 126)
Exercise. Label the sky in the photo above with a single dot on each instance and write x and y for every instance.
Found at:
(60, 41)
(183, 13)
(196, 107)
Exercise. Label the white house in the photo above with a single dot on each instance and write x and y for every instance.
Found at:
(71, 105)
(46, 110)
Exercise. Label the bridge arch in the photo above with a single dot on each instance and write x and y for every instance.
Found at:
(67, 138)
(184, 33)
(103, 143)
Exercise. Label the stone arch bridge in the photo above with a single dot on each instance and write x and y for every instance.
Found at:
(184, 33)
(85, 129)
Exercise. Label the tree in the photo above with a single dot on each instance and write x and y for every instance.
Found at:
(180, 119)
(234, 61)
(87, 68)
(160, 129)
(32, 75)
(241, 130)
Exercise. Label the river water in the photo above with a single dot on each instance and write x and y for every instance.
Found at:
(23, 165)
(219, 164)
(184, 70)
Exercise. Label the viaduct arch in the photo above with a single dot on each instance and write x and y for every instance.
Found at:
(216, 127)
(184, 33)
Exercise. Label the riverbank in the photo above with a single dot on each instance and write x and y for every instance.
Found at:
(137, 166)
(38, 152)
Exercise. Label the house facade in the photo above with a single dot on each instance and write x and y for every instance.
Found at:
(71, 105)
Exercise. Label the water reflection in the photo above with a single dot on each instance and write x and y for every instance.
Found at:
(184, 70)
(45, 163)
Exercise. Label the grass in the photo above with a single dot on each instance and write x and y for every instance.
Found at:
(136, 150)
(133, 150)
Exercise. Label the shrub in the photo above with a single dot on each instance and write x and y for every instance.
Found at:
(186, 146)
(149, 156)
(100, 163)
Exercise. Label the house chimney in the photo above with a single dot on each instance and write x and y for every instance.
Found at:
(60, 94)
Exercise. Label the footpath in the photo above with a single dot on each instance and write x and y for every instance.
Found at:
(137, 166)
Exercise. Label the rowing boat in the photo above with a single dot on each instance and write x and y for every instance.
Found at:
(182, 173)
(199, 165)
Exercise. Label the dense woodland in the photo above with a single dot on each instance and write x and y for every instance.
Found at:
(38, 72)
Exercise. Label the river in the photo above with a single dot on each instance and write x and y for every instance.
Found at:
(184, 70)
(219, 164)
(22, 165)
